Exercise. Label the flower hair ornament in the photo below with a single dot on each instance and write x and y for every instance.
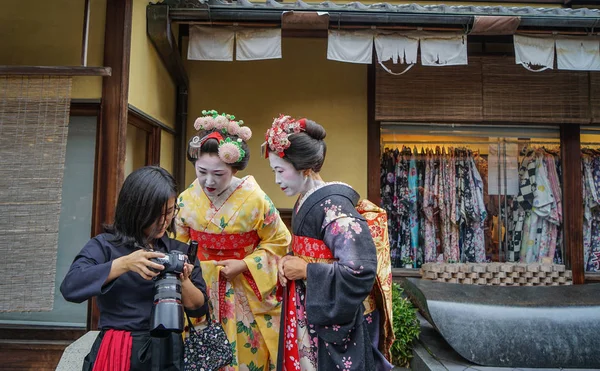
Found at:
(277, 137)
(230, 150)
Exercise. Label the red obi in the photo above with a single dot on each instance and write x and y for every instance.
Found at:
(310, 247)
(212, 246)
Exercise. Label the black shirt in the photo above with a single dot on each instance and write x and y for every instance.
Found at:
(125, 303)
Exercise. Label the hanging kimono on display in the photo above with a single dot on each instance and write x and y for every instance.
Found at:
(435, 205)
(537, 209)
(590, 168)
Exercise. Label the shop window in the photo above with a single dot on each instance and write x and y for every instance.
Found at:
(74, 225)
(590, 158)
(461, 193)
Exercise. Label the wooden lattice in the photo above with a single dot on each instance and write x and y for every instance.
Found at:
(498, 274)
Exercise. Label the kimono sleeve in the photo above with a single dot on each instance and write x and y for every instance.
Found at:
(88, 273)
(335, 292)
(274, 241)
(182, 230)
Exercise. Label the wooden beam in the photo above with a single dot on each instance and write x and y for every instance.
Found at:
(85, 33)
(572, 200)
(181, 139)
(85, 108)
(112, 131)
(161, 35)
(373, 136)
(55, 70)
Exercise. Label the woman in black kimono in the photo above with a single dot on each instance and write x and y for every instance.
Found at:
(333, 264)
(115, 268)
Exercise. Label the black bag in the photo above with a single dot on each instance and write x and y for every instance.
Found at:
(207, 350)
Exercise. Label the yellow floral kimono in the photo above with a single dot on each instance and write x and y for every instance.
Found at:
(243, 224)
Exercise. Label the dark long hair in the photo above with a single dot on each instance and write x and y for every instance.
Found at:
(141, 203)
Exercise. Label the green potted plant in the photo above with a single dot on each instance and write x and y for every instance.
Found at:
(406, 327)
(407, 262)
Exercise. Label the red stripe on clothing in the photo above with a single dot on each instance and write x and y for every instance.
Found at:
(115, 352)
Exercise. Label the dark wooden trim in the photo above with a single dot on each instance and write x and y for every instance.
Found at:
(31, 355)
(153, 147)
(181, 116)
(40, 333)
(373, 139)
(153, 129)
(141, 115)
(573, 200)
(140, 122)
(112, 133)
(485, 122)
(592, 277)
(161, 36)
(55, 70)
(85, 108)
(181, 139)
(286, 217)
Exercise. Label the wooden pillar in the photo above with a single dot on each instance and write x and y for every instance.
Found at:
(112, 132)
(373, 136)
(572, 200)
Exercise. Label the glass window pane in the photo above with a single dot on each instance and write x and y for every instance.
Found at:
(465, 193)
(74, 225)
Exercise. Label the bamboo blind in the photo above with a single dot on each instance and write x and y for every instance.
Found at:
(429, 93)
(512, 93)
(489, 89)
(595, 96)
(34, 114)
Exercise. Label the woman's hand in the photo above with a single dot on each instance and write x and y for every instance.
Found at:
(187, 272)
(293, 268)
(139, 262)
(232, 267)
(280, 274)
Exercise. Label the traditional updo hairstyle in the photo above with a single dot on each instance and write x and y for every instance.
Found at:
(211, 145)
(307, 149)
(223, 136)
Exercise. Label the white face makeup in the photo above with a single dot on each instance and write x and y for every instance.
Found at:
(214, 176)
(291, 181)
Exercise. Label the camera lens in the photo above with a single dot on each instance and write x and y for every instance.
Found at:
(167, 312)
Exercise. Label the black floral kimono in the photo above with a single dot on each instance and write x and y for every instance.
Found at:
(325, 326)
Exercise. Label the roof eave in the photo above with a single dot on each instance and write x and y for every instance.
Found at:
(375, 18)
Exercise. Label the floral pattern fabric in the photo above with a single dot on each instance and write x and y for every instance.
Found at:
(332, 327)
(251, 324)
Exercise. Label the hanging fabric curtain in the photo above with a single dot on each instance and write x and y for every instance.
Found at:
(211, 44)
(534, 51)
(350, 46)
(398, 48)
(257, 44)
(578, 53)
(443, 49)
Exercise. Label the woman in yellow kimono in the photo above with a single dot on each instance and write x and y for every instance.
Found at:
(240, 240)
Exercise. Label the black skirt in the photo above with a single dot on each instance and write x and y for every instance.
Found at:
(147, 353)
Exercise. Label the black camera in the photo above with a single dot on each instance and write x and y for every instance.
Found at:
(167, 312)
